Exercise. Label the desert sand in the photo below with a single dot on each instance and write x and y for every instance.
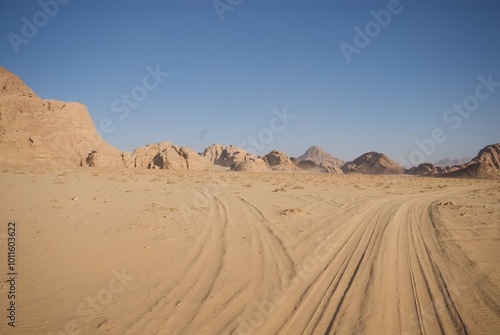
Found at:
(128, 251)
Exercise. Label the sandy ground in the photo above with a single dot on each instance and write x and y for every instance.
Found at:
(166, 252)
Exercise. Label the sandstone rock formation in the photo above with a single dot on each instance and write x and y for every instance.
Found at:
(485, 165)
(278, 161)
(165, 155)
(373, 163)
(423, 169)
(48, 132)
(250, 165)
(324, 160)
(226, 156)
(309, 166)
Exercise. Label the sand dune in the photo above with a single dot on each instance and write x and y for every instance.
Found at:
(120, 251)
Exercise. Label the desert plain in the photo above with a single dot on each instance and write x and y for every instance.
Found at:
(130, 251)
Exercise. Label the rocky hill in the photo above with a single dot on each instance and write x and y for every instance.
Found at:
(320, 157)
(226, 156)
(48, 132)
(373, 163)
(311, 166)
(485, 165)
(251, 165)
(278, 161)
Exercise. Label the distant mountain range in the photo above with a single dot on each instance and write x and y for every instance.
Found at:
(56, 133)
(451, 162)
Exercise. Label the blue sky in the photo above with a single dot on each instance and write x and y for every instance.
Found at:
(227, 76)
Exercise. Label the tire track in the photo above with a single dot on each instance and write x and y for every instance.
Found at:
(283, 262)
(398, 224)
(333, 283)
(269, 258)
(388, 271)
(180, 305)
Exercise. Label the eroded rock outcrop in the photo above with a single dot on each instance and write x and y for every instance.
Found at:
(48, 132)
(251, 165)
(325, 161)
(424, 169)
(485, 165)
(373, 163)
(165, 155)
(226, 156)
(278, 161)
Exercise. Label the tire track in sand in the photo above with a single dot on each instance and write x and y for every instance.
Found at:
(241, 280)
(268, 259)
(407, 282)
(179, 305)
(389, 274)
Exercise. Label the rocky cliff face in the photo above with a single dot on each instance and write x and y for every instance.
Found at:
(48, 132)
(373, 163)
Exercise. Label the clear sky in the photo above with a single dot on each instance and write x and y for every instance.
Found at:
(231, 63)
